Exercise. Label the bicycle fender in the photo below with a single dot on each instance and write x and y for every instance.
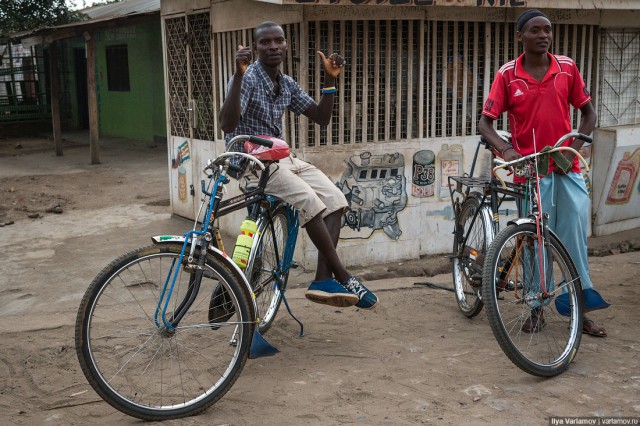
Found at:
(524, 220)
(521, 221)
(220, 255)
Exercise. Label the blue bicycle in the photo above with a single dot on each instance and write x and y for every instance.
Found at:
(164, 331)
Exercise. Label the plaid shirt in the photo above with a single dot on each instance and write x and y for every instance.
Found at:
(261, 110)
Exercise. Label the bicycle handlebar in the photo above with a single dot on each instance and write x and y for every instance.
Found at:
(253, 139)
(219, 160)
(501, 164)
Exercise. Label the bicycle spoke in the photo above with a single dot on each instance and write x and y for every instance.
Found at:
(522, 314)
(148, 370)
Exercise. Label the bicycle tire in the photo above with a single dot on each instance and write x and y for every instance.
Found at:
(262, 267)
(142, 369)
(468, 260)
(531, 331)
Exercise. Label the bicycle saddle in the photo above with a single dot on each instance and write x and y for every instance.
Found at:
(278, 151)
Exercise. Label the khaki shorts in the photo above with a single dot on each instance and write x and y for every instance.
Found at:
(305, 187)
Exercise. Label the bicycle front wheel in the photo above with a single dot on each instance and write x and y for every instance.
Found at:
(534, 300)
(265, 264)
(468, 256)
(144, 368)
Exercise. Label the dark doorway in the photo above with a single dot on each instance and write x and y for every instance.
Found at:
(81, 88)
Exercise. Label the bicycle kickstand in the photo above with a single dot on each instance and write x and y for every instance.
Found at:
(286, 304)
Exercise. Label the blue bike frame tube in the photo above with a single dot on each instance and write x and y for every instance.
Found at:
(188, 238)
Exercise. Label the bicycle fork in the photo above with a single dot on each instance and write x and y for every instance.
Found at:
(195, 271)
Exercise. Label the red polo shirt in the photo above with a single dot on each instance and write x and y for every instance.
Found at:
(541, 106)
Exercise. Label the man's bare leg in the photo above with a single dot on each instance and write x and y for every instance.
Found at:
(326, 240)
(333, 222)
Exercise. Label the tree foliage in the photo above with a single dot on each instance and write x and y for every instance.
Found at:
(21, 15)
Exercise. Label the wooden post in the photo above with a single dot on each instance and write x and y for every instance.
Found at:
(55, 97)
(90, 48)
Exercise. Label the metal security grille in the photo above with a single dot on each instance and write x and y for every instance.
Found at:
(409, 79)
(189, 76)
(177, 76)
(23, 94)
(620, 77)
(225, 48)
(202, 106)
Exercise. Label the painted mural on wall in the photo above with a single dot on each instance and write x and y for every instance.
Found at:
(449, 164)
(424, 174)
(430, 178)
(375, 188)
(624, 178)
(182, 155)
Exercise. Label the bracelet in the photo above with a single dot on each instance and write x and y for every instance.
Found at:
(328, 90)
(505, 150)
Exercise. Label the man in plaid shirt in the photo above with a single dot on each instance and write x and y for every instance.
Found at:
(257, 96)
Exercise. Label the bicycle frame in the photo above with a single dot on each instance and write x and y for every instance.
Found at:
(284, 264)
(199, 238)
(496, 194)
(494, 191)
(528, 167)
(203, 237)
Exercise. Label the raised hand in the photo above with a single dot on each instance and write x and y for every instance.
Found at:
(332, 65)
(243, 58)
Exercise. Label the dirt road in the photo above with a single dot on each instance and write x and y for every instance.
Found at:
(414, 360)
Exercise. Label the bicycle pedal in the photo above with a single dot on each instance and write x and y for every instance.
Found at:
(475, 280)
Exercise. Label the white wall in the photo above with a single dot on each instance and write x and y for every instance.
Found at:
(616, 196)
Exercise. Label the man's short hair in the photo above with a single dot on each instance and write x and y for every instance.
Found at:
(267, 24)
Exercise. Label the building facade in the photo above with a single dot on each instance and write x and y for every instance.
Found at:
(407, 106)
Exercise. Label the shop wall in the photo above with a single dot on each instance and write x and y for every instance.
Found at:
(399, 201)
(616, 200)
(138, 113)
(407, 214)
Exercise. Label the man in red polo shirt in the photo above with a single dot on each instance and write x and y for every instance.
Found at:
(537, 91)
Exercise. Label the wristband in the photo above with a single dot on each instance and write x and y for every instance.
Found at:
(327, 90)
(505, 150)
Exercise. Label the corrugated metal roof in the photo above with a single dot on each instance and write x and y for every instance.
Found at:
(122, 8)
(97, 16)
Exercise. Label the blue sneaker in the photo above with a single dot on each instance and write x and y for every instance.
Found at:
(367, 300)
(330, 292)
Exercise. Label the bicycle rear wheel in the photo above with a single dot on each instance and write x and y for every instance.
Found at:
(138, 365)
(265, 264)
(539, 332)
(468, 258)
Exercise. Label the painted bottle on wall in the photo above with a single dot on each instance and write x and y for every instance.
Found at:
(424, 174)
(449, 164)
(624, 178)
(182, 183)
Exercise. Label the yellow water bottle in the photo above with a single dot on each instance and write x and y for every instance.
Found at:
(244, 242)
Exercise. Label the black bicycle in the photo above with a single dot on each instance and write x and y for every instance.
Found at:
(476, 202)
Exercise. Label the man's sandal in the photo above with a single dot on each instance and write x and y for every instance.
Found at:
(591, 328)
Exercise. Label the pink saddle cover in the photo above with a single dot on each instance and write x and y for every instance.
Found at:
(278, 151)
